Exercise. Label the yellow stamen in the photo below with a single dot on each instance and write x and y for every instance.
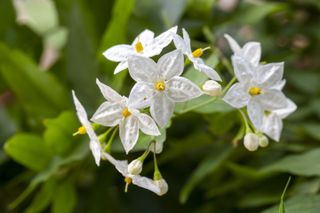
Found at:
(198, 52)
(138, 47)
(128, 181)
(126, 112)
(160, 85)
(81, 131)
(253, 91)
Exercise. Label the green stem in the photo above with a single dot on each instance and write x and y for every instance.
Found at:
(245, 120)
(107, 148)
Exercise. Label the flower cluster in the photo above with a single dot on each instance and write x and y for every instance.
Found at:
(259, 88)
(160, 85)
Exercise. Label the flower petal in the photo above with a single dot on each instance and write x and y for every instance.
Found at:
(252, 51)
(285, 112)
(170, 65)
(94, 141)
(145, 183)
(141, 95)
(269, 75)
(161, 109)
(272, 99)
(211, 73)
(120, 165)
(147, 124)
(120, 67)
(186, 39)
(232, 43)
(108, 93)
(255, 113)
(272, 126)
(129, 132)
(108, 114)
(118, 53)
(145, 37)
(237, 96)
(180, 44)
(142, 69)
(242, 69)
(181, 89)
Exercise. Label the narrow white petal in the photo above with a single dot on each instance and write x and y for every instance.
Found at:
(186, 39)
(161, 109)
(108, 114)
(118, 53)
(252, 51)
(181, 89)
(243, 69)
(237, 96)
(108, 93)
(120, 67)
(94, 141)
(147, 124)
(273, 99)
(120, 165)
(279, 85)
(211, 73)
(232, 43)
(269, 75)
(180, 44)
(255, 113)
(145, 183)
(141, 95)
(145, 37)
(285, 112)
(129, 132)
(272, 126)
(170, 65)
(142, 69)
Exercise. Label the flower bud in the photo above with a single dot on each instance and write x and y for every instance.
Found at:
(263, 141)
(211, 88)
(163, 186)
(251, 141)
(135, 167)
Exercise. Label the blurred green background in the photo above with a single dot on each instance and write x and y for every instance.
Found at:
(44, 169)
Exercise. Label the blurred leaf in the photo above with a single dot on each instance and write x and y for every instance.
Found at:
(39, 92)
(307, 82)
(208, 165)
(28, 149)
(56, 39)
(313, 129)
(221, 123)
(305, 164)
(65, 198)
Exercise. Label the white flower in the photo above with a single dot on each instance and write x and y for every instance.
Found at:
(258, 89)
(143, 182)
(251, 51)
(94, 141)
(144, 45)
(272, 121)
(211, 88)
(251, 141)
(160, 84)
(184, 45)
(135, 167)
(263, 141)
(119, 110)
(163, 186)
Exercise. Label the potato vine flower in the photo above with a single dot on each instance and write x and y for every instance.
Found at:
(251, 51)
(143, 182)
(87, 128)
(257, 89)
(119, 110)
(251, 141)
(144, 45)
(184, 45)
(160, 85)
(272, 121)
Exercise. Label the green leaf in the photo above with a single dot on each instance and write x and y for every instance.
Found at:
(29, 150)
(312, 129)
(305, 164)
(39, 92)
(65, 198)
(208, 165)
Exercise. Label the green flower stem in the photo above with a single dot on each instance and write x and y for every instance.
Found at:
(245, 121)
(107, 148)
(103, 136)
(144, 155)
(156, 174)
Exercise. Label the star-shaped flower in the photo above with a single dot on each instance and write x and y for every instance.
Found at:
(184, 45)
(160, 85)
(87, 128)
(272, 121)
(143, 182)
(119, 110)
(251, 51)
(144, 45)
(258, 89)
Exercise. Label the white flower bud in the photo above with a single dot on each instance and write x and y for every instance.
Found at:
(163, 186)
(135, 167)
(263, 141)
(211, 88)
(251, 141)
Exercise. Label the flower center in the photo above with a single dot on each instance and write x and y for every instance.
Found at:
(128, 181)
(138, 47)
(198, 52)
(160, 85)
(82, 130)
(253, 91)
(126, 112)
